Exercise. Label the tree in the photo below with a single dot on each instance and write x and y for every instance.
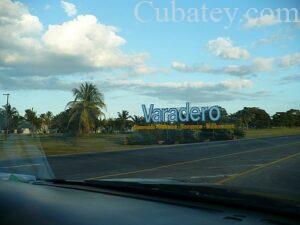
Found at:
(31, 117)
(286, 119)
(109, 125)
(86, 107)
(10, 118)
(138, 120)
(46, 119)
(252, 117)
(225, 118)
(2, 119)
(60, 122)
(123, 118)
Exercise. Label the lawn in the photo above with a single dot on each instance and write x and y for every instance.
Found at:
(93, 143)
(278, 131)
(18, 146)
(25, 145)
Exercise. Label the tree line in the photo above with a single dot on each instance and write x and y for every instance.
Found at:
(85, 114)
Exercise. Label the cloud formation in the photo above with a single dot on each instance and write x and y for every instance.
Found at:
(35, 83)
(69, 8)
(171, 91)
(144, 69)
(79, 45)
(290, 60)
(190, 91)
(272, 39)
(262, 21)
(225, 49)
(293, 78)
(257, 65)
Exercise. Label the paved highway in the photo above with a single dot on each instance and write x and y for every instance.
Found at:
(263, 163)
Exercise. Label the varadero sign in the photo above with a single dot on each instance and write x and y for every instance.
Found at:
(182, 114)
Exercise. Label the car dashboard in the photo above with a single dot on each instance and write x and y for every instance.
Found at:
(25, 203)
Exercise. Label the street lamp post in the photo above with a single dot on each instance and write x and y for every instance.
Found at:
(7, 122)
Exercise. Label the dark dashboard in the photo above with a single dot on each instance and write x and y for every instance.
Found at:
(23, 203)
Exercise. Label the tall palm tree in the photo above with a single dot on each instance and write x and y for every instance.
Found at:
(11, 116)
(32, 118)
(86, 107)
(123, 118)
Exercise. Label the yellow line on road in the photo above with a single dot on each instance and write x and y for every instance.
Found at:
(256, 168)
(189, 162)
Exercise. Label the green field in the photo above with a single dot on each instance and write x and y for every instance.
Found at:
(25, 145)
(278, 131)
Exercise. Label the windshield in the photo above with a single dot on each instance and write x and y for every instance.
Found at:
(199, 92)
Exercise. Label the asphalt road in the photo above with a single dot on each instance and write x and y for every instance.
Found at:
(265, 163)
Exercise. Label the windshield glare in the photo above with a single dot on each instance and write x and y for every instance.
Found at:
(202, 93)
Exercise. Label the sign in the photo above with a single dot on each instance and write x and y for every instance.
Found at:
(207, 126)
(182, 114)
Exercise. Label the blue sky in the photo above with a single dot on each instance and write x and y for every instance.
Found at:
(51, 46)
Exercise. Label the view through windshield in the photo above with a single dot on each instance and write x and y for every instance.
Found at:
(197, 92)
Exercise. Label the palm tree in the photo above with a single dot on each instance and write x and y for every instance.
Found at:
(11, 117)
(123, 119)
(46, 119)
(31, 117)
(86, 107)
(138, 120)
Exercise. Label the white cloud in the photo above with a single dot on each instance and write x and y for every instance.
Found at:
(257, 65)
(96, 44)
(228, 84)
(144, 69)
(272, 39)
(69, 8)
(170, 91)
(262, 21)
(19, 32)
(225, 49)
(79, 45)
(261, 64)
(290, 60)
(196, 91)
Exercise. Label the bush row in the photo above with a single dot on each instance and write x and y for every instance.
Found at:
(150, 137)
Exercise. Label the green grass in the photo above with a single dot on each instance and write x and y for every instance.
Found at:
(92, 143)
(17, 146)
(25, 145)
(278, 131)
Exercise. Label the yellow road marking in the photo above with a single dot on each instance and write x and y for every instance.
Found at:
(189, 162)
(256, 168)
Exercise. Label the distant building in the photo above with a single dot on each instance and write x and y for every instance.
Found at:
(24, 128)
(44, 129)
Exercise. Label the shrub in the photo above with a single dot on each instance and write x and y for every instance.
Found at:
(180, 136)
(141, 138)
(239, 133)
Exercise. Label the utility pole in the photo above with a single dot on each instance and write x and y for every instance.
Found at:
(7, 122)
(7, 98)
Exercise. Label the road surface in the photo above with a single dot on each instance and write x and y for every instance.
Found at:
(263, 163)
